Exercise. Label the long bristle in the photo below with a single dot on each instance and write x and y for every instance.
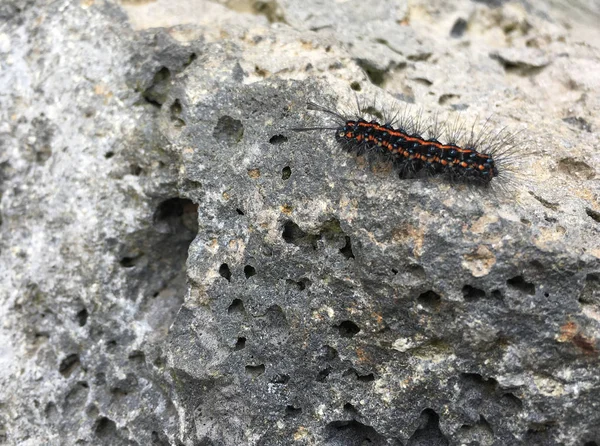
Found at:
(502, 146)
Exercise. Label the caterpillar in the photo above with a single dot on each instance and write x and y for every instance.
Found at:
(480, 159)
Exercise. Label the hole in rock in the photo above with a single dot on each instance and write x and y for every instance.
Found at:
(428, 431)
(286, 173)
(277, 139)
(429, 298)
(519, 283)
(595, 215)
(497, 294)
(472, 293)
(249, 271)
(225, 272)
(459, 27)
(328, 353)
(236, 307)
(192, 58)
(240, 343)
(255, 371)
(300, 285)
(176, 111)
(82, 317)
(292, 411)
(348, 407)
(353, 433)
(105, 428)
(353, 373)
(366, 378)
(280, 378)
(347, 249)
(137, 356)
(348, 329)
(130, 262)
(294, 235)
(176, 215)
(323, 374)
(68, 365)
(156, 93)
(228, 130)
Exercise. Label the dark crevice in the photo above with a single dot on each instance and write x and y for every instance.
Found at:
(280, 379)
(225, 272)
(353, 433)
(328, 353)
(176, 215)
(176, 112)
(519, 283)
(249, 271)
(236, 307)
(254, 371)
(240, 343)
(346, 250)
(472, 293)
(130, 261)
(137, 356)
(351, 372)
(105, 428)
(82, 317)
(228, 130)
(429, 299)
(291, 411)
(428, 432)
(323, 374)
(459, 28)
(376, 76)
(595, 215)
(157, 92)
(294, 235)
(278, 139)
(300, 285)
(68, 365)
(348, 329)
(351, 410)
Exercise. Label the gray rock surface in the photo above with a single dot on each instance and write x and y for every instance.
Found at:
(178, 267)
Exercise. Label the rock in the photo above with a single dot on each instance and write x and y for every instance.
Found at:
(180, 267)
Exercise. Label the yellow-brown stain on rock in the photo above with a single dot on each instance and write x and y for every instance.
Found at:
(480, 225)
(408, 233)
(301, 433)
(480, 261)
(254, 173)
(362, 355)
(286, 209)
(102, 90)
(549, 238)
(571, 332)
(213, 245)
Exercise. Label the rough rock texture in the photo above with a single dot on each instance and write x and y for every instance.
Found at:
(178, 267)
